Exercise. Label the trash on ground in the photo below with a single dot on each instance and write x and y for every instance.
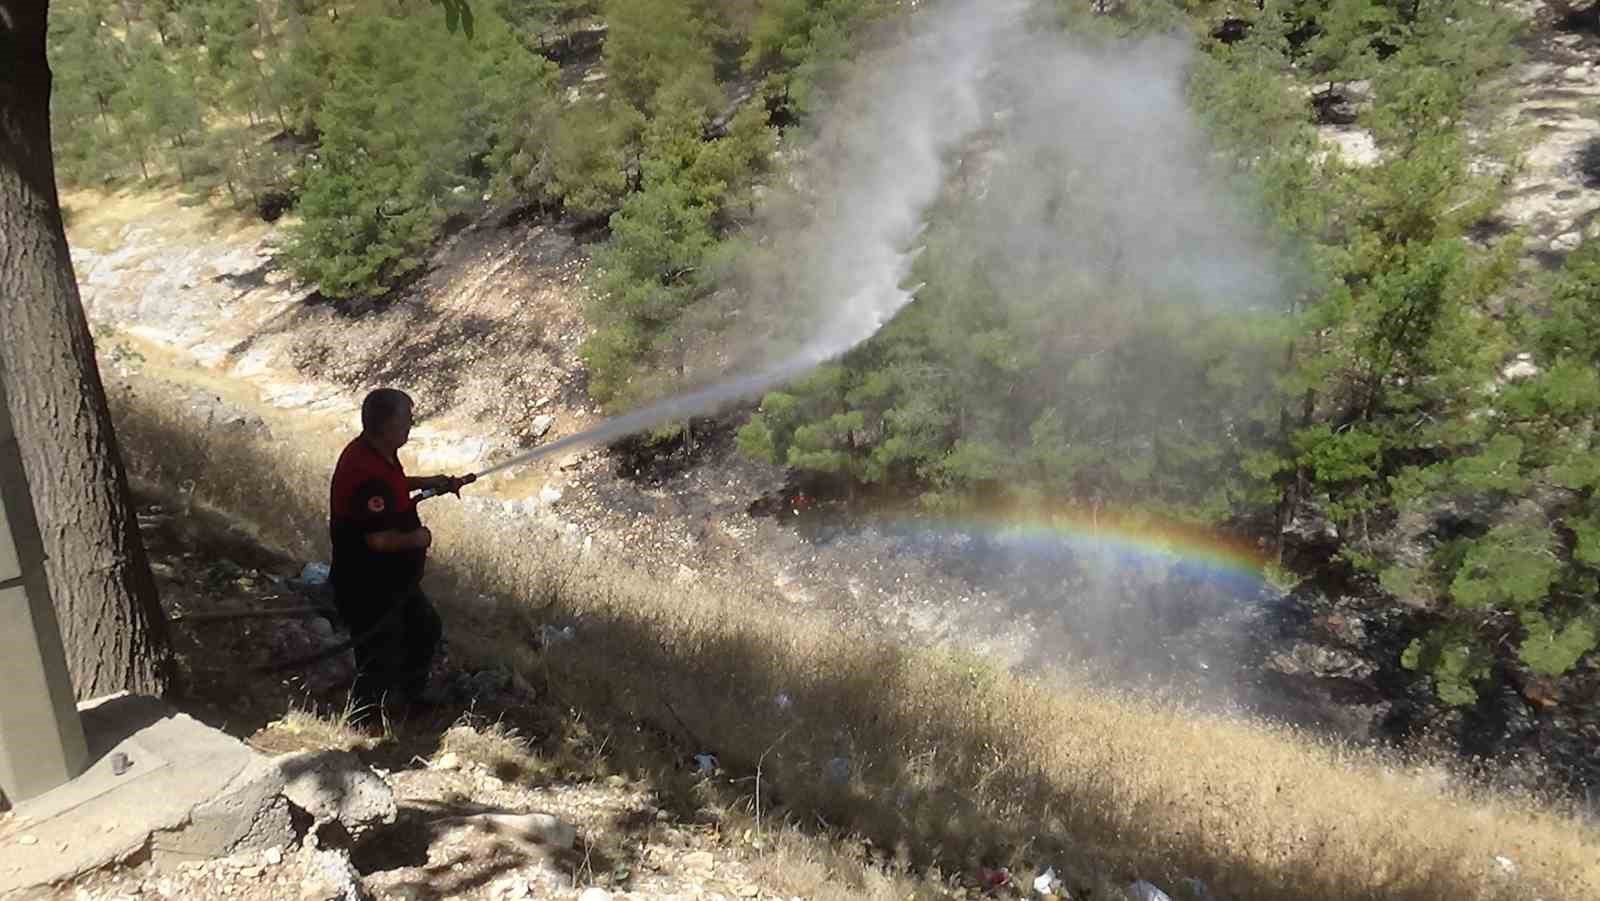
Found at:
(1045, 882)
(551, 635)
(1144, 891)
(839, 769)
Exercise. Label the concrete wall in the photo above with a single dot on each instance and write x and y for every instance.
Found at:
(41, 738)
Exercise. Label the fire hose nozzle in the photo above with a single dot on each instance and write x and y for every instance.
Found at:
(457, 485)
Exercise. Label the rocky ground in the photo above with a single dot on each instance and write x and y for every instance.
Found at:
(1554, 90)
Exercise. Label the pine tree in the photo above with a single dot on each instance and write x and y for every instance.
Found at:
(375, 195)
(660, 47)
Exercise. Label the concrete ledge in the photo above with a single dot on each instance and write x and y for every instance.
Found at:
(153, 772)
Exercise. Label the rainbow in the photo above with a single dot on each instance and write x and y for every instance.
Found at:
(1132, 539)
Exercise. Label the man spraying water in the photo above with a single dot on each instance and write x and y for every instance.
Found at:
(380, 547)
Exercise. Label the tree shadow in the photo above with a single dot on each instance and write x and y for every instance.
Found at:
(482, 846)
(118, 718)
(249, 280)
(491, 849)
(1573, 19)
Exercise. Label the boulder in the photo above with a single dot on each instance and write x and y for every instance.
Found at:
(249, 814)
(1310, 527)
(1305, 658)
(1566, 243)
(535, 830)
(511, 888)
(1523, 366)
(335, 786)
(332, 878)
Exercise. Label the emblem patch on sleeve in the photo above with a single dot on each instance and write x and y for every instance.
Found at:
(375, 504)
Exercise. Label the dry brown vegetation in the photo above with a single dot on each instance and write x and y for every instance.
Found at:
(323, 730)
(950, 761)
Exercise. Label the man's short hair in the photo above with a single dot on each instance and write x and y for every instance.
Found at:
(382, 405)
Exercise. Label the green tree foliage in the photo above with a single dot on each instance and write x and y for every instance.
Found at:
(1348, 32)
(798, 42)
(142, 93)
(1527, 565)
(989, 389)
(1397, 421)
(163, 109)
(658, 262)
(375, 195)
(90, 67)
(584, 157)
(692, 167)
(658, 50)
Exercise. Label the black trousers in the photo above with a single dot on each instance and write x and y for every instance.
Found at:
(397, 635)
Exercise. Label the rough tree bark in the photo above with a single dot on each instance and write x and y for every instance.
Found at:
(111, 619)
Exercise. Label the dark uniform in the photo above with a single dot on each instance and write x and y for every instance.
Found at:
(379, 592)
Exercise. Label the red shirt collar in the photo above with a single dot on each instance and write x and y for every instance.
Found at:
(378, 454)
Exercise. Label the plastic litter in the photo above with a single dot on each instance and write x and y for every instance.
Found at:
(1144, 891)
(839, 769)
(315, 574)
(551, 635)
(1045, 883)
(705, 763)
(783, 700)
(1506, 865)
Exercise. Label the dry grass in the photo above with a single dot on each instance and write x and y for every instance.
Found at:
(950, 761)
(494, 746)
(323, 731)
(99, 219)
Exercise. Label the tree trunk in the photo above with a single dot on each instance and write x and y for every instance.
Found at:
(111, 620)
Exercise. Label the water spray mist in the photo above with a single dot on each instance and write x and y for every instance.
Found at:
(884, 143)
